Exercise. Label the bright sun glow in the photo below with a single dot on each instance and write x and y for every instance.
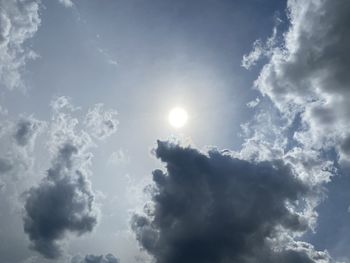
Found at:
(178, 117)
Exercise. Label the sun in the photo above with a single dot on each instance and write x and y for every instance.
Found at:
(178, 117)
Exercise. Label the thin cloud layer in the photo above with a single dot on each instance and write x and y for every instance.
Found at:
(19, 21)
(216, 208)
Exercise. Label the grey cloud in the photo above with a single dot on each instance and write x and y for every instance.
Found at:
(5, 165)
(216, 208)
(18, 140)
(308, 73)
(345, 147)
(109, 258)
(63, 202)
(27, 130)
(19, 21)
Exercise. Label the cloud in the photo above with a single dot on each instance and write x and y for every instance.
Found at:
(61, 103)
(17, 153)
(109, 258)
(100, 123)
(18, 159)
(216, 208)
(66, 3)
(27, 129)
(260, 50)
(64, 126)
(63, 202)
(19, 21)
(307, 75)
(253, 103)
(5, 165)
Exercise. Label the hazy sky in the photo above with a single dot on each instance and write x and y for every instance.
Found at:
(91, 170)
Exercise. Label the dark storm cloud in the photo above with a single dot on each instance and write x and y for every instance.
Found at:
(26, 131)
(215, 208)
(109, 258)
(63, 202)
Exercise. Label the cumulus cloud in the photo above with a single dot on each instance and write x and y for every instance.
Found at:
(62, 202)
(109, 258)
(18, 159)
(19, 21)
(216, 208)
(307, 75)
(64, 126)
(98, 123)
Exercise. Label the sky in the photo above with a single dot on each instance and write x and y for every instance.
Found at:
(93, 171)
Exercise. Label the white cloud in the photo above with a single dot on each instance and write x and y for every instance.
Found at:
(308, 74)
(66, 3)
(101, 123)
(253, 103)
(306, 79)
(260, 49)
(19, 21)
